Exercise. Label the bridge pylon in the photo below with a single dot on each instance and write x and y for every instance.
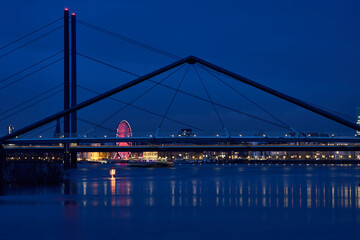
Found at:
(70, 93)
(73, 116)
(66, 86)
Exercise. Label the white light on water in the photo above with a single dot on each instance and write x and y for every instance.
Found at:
(112, 172)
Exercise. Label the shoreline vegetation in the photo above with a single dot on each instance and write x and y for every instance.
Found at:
(32, 173)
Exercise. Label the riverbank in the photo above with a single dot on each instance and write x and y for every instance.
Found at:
(32, 173)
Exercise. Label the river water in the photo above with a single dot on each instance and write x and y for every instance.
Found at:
(189, 202)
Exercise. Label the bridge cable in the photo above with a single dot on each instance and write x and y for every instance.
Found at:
(205, 100)
(107, 64)
(95, 124)
(116, 35)
(43, 130)
(247, 98)
(321, 107)
(29, 34)
(38, 70)
(171, 102)
(156, 49)
(29, 100)
(221, 105)
(135, 99)
(310, 103)
(112, 115)
(29, 67)
(350, 118)
(251, 101)
(136, 75)
(31, 105)
(145, 110)
(35, 39)
(61, 121)
(211, 101)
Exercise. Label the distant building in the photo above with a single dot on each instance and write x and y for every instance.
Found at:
(150, 155)
(315, 134)
(186, 133)
(357, 134)
(11, 129)
(95, 156)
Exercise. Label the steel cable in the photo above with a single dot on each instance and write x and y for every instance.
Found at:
(200, 98)
(29, 100)
(135, 99)
(172, 100)
(38, 70)
(29, 34)
(33, 104)
(145, 110)
(21, 46)
(29, 67)
(211, 101)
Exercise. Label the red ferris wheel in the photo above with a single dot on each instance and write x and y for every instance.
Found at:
(123, 130)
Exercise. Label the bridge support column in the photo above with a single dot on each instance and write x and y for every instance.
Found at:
(73, 158)
(66, 155)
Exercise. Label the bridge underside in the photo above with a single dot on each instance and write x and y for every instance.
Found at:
(188, 140)
(183, 148)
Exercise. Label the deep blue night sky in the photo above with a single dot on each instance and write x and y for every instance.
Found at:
(307, 49)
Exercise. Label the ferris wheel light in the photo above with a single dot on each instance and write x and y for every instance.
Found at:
(123, 130)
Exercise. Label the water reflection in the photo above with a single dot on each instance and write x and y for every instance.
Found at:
(209, 186)
(240, 189)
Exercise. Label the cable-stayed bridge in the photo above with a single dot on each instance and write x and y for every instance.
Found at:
(70, 143)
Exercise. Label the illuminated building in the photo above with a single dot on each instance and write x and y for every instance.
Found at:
(11, 129)
(150, 155)
(96, 156)
(186, 133)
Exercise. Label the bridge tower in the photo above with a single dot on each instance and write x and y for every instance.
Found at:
(73, 157)
(66, 87)
(70, 93)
